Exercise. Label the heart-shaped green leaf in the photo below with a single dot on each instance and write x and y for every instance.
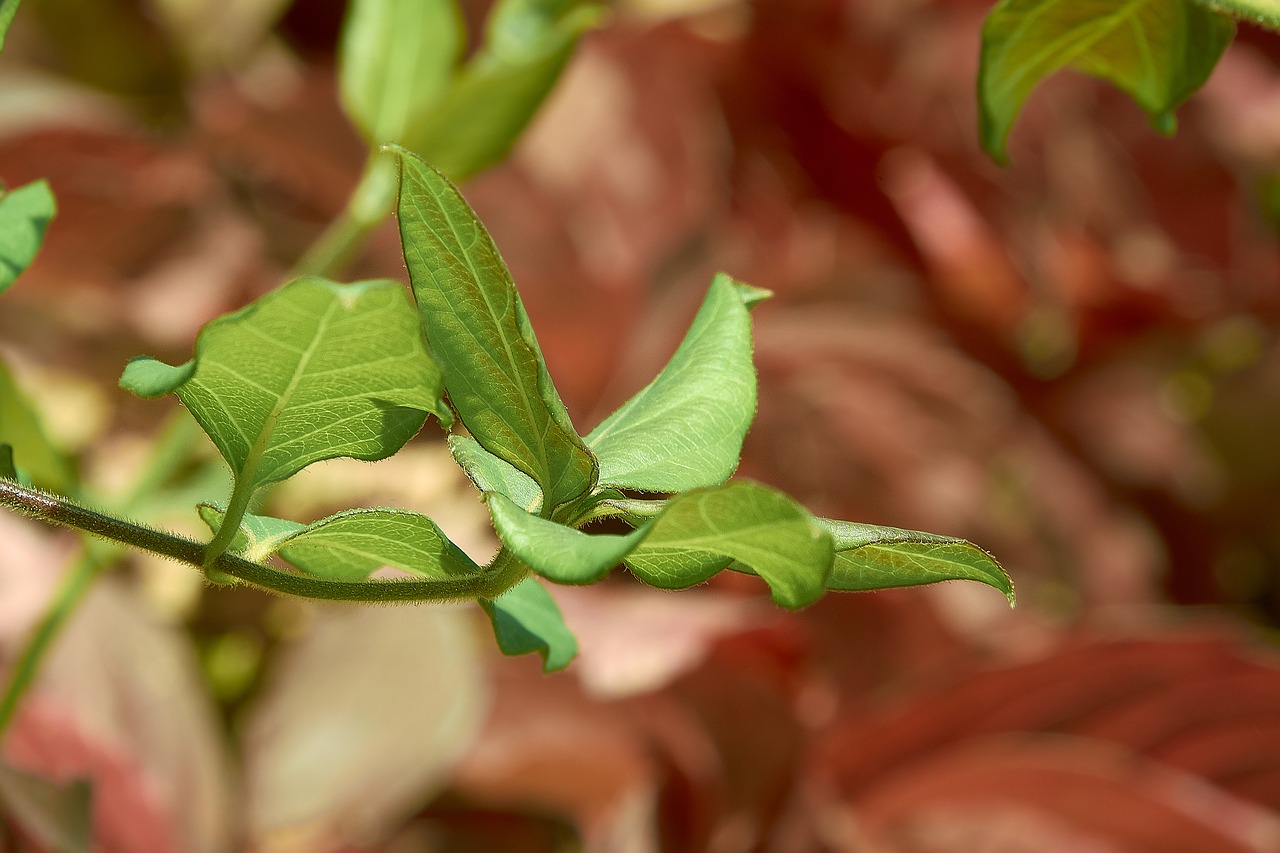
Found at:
(491, 474)
(352, 544)
(685, 429)
(701, 532)
(24, 216)
(526, 619)
(872, 557)
(527, 44)
(395, 60)
(1159, 51)
(477, 331)
(311, 371)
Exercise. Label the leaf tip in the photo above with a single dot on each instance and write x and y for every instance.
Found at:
(149, 377)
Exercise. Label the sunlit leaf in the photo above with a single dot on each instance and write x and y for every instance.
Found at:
(1159, 51)
(527, 620)
(24, 216)
(477, 331)
(352, 544)
(1263, 12)
(33, 452)
(395, 59)
(701, 532)
(685, 429)
(491, 474)
(553, 550)
(527, 44)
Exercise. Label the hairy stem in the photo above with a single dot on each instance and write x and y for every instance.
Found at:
(499, 576)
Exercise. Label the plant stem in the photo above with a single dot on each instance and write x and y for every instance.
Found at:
(369, 204)
(501, 574)
(74, 585)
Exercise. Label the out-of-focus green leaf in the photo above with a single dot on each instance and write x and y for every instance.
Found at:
(24, 216)
(703, 531)
(685, 429)
(395, 59)
(526, 619)
(556, 551)
(1159, 51)
(477, 331)
(46, 465)
(527, 44)
(491, 474)
(55, 814)
(352, 544)
(1265, 13)
(8, 8)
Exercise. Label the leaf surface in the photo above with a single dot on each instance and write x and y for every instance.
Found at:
(396, 58)
(527, 44)
(8, 8)
(351, 545)
(526, 619)
(24, 216)
(685, 429)
(556, 551)
(1265, 13)
(491, 474)
(701, 532)
(1158, 51)
(477, 331)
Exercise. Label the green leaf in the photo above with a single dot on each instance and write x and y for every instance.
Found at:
(491, 474)
(701, 532)
(24, 216)
(1159, 51)
(556, 551)
(478, 332)
(8, 8)
(352, 544)
(46, 465)
(396, 58)
(56, 815)
(312, 371)
(685, 430)
(1265, 13)
(873, 557)
(528, 43)
(526, 619)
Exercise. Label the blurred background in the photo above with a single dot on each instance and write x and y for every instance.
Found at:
(1072, 361)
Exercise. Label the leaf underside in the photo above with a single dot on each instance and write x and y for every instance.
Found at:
(527, 620)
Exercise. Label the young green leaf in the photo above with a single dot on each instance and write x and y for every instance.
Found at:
(395, 59)
(528, 43)
(1265, 13)
(46, 465)
(703, 531)
(24, 216)
(556, 551)
(311, 371)
(526, 619)
(8, 8)
(873, 557)
(685, 429)
(491, 474)
(350, 545)
(1159, 51)
(478, 332)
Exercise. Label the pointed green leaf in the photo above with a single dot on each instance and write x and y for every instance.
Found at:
(555, 551)
(1265, 13)
(396, 58)
(703, 531)
(148, 378)
(479, 334)
(528, 43)
(352, 544)
(1159, 51)
(8, 8)
(56, 815)
(24, 216)
(312, 371)
(685, 429)
(46, 465)
(491, 474)
(872, 557)
(526, 619)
